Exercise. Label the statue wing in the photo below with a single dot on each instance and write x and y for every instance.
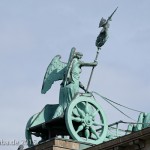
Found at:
(55, 71)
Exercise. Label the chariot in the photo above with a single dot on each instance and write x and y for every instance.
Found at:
(83, 120)
(77, 116)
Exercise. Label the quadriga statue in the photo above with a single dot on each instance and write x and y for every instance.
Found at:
(69, 73)
(76, 112)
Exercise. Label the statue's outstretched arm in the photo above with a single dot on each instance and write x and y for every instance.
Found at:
(92, 64)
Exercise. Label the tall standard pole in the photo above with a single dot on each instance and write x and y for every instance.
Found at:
(98, 49)
(100, 41)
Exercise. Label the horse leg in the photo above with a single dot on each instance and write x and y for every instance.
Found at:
(28, 133)
(29, 138)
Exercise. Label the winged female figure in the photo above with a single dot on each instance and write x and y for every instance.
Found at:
(69, 73)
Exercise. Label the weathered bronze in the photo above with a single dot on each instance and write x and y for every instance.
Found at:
(77, 115)
(72, 105)
(103, 36)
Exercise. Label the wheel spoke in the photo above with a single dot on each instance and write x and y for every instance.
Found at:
(87, 133)
(81, 112)
(98, 124)
(75, 112)
(86, 108)
(81, 127)
(95, 113)
(76, 119)
(94, 132)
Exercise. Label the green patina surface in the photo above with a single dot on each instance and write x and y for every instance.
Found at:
(69, 73)
(84, 118)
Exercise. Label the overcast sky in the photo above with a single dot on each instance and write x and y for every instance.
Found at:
(32, 32)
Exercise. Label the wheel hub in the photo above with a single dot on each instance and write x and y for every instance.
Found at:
(88, 120)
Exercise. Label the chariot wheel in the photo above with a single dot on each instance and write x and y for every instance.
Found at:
(85, 120)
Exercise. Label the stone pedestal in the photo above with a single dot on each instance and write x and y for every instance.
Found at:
(60, 144)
